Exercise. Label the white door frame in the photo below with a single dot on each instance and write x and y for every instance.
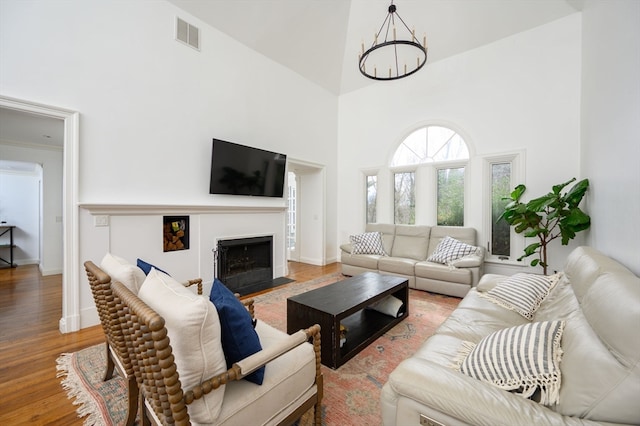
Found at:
(70, 320)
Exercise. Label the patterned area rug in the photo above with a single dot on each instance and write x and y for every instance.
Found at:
(351, 393)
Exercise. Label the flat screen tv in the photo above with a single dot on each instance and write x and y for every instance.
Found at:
(243, 170)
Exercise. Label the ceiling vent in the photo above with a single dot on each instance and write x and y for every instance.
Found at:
(187, 33)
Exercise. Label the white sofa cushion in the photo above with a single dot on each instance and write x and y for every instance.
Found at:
(194, 332)
(522, 359)
(522, 293)
(367, 243)
(288, 378)
(450, 249)
(122, 271)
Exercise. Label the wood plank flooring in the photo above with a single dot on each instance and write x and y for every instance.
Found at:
(30, 343)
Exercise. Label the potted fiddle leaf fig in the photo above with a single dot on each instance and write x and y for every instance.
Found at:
(554, 215)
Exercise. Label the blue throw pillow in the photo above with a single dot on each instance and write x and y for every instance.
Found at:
(239, 339)
(146, 267)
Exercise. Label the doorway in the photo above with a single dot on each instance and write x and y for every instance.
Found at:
(306, 212)
(68, 218)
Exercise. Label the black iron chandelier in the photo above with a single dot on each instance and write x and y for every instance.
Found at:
(393, 54)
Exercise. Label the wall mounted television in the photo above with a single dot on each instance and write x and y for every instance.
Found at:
(242, 170)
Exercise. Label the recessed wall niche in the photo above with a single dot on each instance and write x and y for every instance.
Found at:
(175, 233)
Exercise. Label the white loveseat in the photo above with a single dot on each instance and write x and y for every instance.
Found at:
(406, 249)
(599, 301)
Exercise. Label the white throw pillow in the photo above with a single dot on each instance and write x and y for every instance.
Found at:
(194, 332)
(521, 359)
(522, 293)
(367, 243)
(121, 270)
(450, 249)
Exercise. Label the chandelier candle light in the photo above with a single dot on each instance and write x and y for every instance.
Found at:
(404, 56)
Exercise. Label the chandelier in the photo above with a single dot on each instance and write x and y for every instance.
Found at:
(394, 53)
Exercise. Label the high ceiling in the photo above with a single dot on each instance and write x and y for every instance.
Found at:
(321, 39)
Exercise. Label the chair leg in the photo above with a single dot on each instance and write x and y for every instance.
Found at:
(317, 409)
(108, 374)
(132, 410)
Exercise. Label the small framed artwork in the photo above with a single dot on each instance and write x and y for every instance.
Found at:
(175, 233)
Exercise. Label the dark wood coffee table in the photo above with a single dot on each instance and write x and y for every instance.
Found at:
(344, 303)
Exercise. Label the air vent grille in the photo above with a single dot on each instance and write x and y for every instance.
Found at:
(187, 33)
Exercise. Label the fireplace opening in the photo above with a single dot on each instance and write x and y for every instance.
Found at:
(245, 265)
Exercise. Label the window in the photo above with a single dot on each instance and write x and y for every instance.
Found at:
(405, 198)
(441, 198)
(450, 206)
(430, 144)
(500, 188)
(372, 197)
(501, 174)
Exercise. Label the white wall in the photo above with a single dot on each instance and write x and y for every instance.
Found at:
(521, 92)
(611, 126)
(150, 105)
(51, 238)
(20, 206)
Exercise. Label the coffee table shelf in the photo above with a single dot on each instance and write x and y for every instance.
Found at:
(345, 303)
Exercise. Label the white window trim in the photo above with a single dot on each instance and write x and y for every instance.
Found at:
(518, 161)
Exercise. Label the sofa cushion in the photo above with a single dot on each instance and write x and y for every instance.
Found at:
(524, 359)
(367, 243)
(121, 270)
(522, 293)
(450, 249)
(239, 339)
(388, 232)
(463, 234)
(368, 261)
(289, 378)
(396, 265)
(194, 332)
(436, 271)
(411, 241)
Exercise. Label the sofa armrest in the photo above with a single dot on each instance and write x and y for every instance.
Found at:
(470, 261)
(347, 248)
(251, 363)
(441, 388)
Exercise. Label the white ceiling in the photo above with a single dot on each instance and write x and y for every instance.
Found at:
(321, 39)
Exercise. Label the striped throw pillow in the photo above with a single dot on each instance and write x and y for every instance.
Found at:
(367, 243)
(522, 293)
(522, 359)
(450, 249)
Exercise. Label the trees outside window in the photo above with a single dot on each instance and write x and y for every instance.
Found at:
(451, 197)
(372, 198)
(405, 198)
(500, 190)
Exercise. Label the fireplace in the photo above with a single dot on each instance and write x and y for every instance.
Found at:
(245, 265)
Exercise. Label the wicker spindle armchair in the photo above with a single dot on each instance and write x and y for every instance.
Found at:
(117, 351)
(164, 401)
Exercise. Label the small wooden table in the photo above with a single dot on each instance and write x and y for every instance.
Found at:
(344, 303)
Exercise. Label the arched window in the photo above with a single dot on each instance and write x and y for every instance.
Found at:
(447, 152)
(430, 144)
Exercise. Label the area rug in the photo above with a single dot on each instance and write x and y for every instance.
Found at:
(351, 392)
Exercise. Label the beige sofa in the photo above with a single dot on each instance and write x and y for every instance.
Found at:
(407, 248)
(599, 301)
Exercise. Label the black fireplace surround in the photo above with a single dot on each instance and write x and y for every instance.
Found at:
(245, 265)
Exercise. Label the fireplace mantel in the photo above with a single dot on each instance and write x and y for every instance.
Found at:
(170, 209)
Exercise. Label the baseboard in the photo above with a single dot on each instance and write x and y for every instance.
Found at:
(310, 261)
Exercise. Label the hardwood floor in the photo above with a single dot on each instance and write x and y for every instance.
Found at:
(30, 343)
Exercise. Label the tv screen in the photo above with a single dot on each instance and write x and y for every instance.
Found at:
(242, 170)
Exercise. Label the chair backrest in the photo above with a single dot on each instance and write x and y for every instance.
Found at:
(146, 337)
(100, 283)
